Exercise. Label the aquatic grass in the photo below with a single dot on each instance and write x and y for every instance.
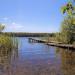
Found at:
(5, 41)
(7, 44)
(15, 42)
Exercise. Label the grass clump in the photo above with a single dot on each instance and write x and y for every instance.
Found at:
(6, 41)
(7, 44)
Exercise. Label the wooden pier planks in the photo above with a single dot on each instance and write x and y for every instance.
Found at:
(53, 44)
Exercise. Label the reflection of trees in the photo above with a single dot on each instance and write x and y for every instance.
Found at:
(68, 62)
(6, 57)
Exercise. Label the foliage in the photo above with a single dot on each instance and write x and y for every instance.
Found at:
(67, 33)
(58, 37)
(7, 43)
(68, 8)
(1, 27)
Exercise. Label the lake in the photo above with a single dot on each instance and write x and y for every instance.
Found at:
(37, 59)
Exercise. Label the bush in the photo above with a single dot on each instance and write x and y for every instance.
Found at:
(67, 33)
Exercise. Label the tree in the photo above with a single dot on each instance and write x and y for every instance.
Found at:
(68, 30)
(68, 25)
(68, 8)
(1, 27)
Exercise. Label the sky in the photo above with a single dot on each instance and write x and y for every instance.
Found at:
(31, 15)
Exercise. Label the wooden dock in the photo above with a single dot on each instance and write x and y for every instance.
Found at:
(69, 46)
(34, 40)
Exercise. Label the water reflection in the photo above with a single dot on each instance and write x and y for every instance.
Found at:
(67, 62)
(6, 57)
(67, 58)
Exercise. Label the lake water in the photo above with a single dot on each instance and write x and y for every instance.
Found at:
(37, 59)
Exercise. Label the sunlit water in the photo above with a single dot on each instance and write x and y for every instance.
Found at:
(37, 59)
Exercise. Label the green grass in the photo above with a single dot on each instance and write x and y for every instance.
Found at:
(7, 44)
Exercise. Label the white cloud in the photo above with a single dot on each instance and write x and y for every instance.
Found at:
(14, 27)
(5, 18)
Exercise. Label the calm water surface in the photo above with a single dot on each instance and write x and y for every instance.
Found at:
(37, 59)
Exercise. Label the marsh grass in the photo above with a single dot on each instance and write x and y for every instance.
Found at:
(7, 44)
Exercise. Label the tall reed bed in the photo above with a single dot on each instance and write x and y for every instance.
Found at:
(7, 44)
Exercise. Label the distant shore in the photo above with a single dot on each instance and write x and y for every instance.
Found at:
(24, 34)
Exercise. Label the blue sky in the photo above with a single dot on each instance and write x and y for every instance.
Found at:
(31, 15)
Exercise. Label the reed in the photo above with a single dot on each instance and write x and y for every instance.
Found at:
(8, 43)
